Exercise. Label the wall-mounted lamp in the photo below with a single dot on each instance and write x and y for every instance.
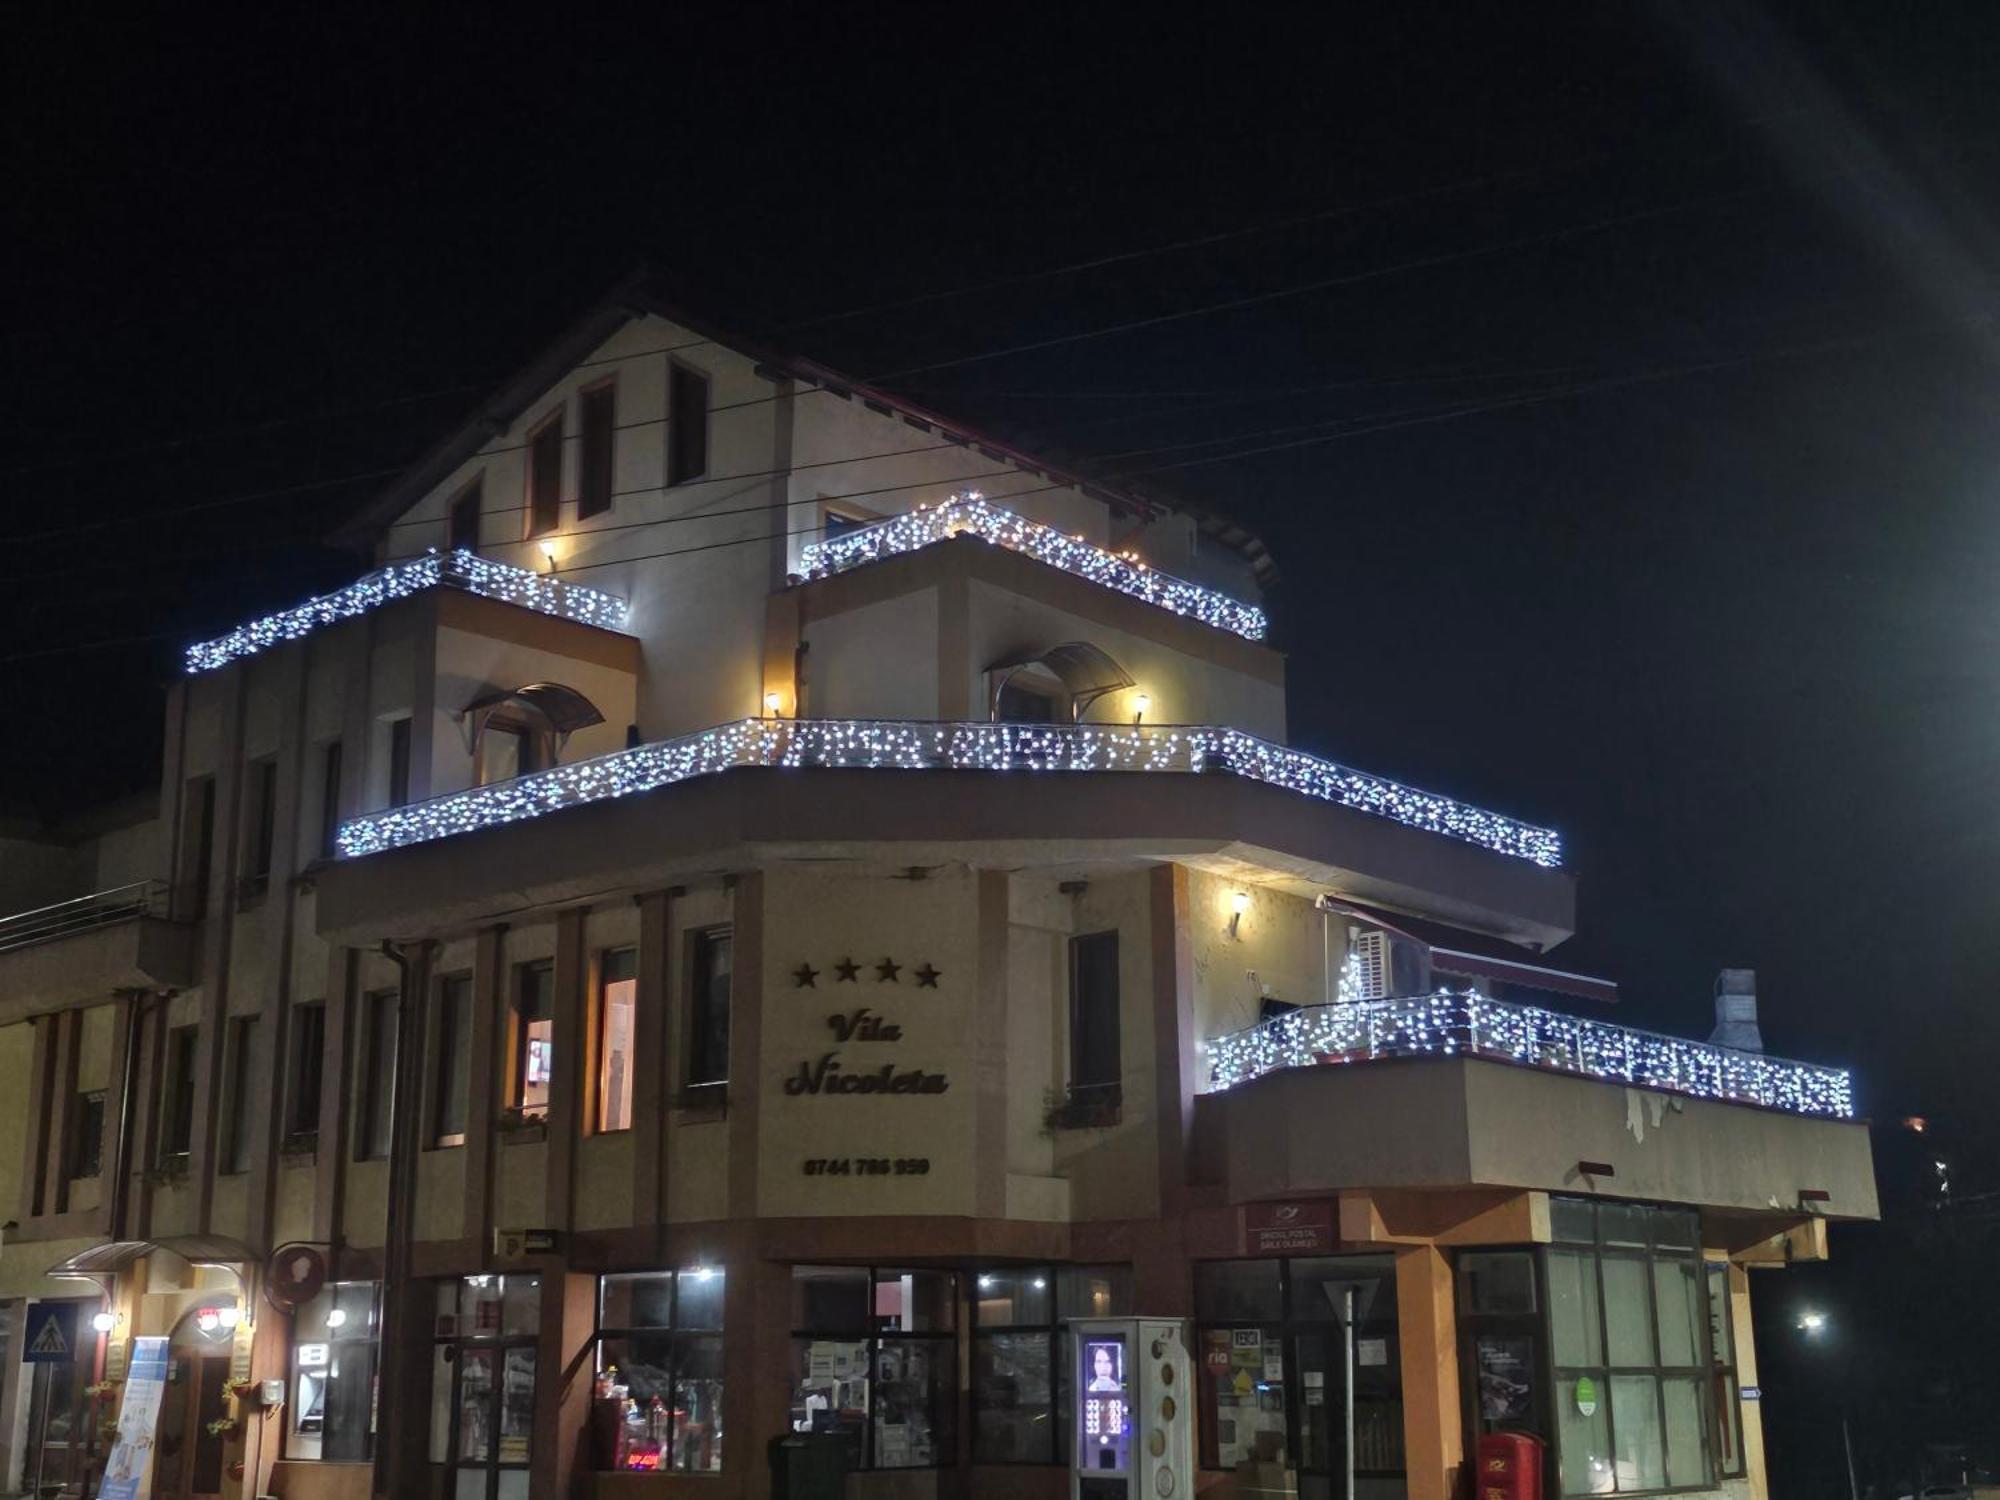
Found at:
(1239, 903)
(772, 703)
(229, 1316)
(208, 1319)
(1141, 702)
(104, 1322)
(549, 553)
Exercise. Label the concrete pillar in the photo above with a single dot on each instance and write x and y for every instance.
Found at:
(756, 1393)
(559, 1461)
(1433, 1422)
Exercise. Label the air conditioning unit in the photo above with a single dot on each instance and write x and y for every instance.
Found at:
(1373, 959)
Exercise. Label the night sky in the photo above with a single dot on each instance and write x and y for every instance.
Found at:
(1615, 388)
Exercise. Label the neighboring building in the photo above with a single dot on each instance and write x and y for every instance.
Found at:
(713, 905)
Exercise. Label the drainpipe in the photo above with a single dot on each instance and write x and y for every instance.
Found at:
(128, 1086)
(398, 1406)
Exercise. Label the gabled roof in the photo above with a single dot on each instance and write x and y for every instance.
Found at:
(638, 296)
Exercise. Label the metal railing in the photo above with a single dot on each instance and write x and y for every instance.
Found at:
(896, 744)
(142, 898)
(1450, 1023)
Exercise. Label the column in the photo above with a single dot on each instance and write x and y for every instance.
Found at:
(1433, 1424)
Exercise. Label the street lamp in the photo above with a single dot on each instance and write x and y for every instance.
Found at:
(1812, 1322)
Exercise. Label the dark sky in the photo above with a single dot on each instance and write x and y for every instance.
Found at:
(1646, 356)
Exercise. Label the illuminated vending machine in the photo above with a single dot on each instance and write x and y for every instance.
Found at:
(1134, 1393)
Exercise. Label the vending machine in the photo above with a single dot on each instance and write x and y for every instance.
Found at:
(1133, 1388)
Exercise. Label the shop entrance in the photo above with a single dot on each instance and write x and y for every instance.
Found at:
(190, 1462)
(483, 1385)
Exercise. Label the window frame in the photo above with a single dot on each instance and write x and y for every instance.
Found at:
(698, 1015)
(1109, 1091)
(679, 471)
(1288, 1329)
(543, 512)
(303, 1073)
(375, 1098)
(451, 1059)
(595, 490)
(673, 1333)
(519, 1025)
(872, 1339)
(1062, 1435)
(470, 501)
(86, 1148)
(460, 1341)
(260, 828)
(621, 956)
(177, 1101)
(402, 736)
(1603, 1371)
(370, 1333)
(1726, 1374)
(330, 756)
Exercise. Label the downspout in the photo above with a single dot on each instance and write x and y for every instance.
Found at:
(397, 1288)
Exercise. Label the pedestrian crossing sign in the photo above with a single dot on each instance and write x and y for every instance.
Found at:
(51, 1334)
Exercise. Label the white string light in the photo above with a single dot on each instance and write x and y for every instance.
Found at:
(460, 569)
(914, 745)
(969, 514)
(1450, 1023)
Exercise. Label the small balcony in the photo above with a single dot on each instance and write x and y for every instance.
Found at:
(1456, 1090)
(1448, 1024)
(90, 947)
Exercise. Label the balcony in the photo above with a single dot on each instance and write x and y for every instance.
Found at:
(1456, 1090)
(1448, 1024)
(888, 745)
(88, 948)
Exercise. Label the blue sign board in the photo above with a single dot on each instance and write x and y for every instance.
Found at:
(1753, 1393)
(51, 1336)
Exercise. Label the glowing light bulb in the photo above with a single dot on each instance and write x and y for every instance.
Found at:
(229, 1316)
(207, 1319)
(773, 702)
(337, 1318)
(104, 1322)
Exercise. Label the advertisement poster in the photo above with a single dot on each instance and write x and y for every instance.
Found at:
(129, 1472)
(1504, 1387)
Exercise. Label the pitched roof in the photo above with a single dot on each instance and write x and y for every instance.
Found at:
(638, 296)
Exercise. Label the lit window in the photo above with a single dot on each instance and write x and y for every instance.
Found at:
(534, 1038)
(335, 1347)
(660, 1349)
(618, 1003)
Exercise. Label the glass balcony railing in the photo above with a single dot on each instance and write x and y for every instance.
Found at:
(45, 924)
(1449, 1023)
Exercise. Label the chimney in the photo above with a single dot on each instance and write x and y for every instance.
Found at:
(1736, 1011)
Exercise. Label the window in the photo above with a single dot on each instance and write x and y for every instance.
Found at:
(197, 847)
(835, 524)
(1095, 1066)
(1020, 1355)
(687, 424)
(1022, 703)
(375, 1127)
(1271, 1373)
(177, 1113)
(545, 456)
(451, 1081)
(534, 1039)
(242, 1123)
(617, 1008)
(483, 1383)
(258, 834)
(399, 761)
(87, 1136)
(875, 1361)
(1628, 1330)
(596, 416)
(335, 1351)
(1500, 1341)
(463, 533)
(710, 967)
(1729, 1460)
(329, 799)
(659, 1346)
(508, 749)
(302, 1076)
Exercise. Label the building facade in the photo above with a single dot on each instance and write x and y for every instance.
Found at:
(762, 906)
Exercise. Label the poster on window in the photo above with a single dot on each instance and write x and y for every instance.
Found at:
(128, 1472)
(1504, 1386)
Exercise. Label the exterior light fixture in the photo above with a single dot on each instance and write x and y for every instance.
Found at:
(703, 1273)
(337, 1318)
(1040, 1283)
(1812, 1321)
(1239, 903)
(772, 703)
(1141, 702)
(985, 1283)
(229, 1316)
(207, 1319)
(549, 553)
(104, 1322)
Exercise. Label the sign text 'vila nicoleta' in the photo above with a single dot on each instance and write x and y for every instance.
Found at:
(827, 1074)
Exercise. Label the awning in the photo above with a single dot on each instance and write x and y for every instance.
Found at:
(201, 1249)
(562, 709)
(1086, 671)
(1454, 951)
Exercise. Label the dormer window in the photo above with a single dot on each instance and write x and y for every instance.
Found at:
(524, 729)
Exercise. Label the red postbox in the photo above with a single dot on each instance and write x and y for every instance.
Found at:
(1510, 1466)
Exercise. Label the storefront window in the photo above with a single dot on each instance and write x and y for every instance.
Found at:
(1020, 1355)
(1274, 1376)
(1500, 1338)
(658, 1399)
(875, 1359)
(1629, 1332)
(484, 1383)
(335, 1344)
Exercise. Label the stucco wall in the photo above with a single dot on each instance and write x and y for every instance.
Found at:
(1279, 948)
(876, 662)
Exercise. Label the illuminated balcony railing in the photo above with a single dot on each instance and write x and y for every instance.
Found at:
(915, 745)
(971, 515)
(460, 570)
(45, 924)
(1449, 1024)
